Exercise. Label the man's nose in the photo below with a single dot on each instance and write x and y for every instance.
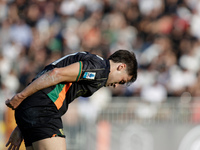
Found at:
(116, 85)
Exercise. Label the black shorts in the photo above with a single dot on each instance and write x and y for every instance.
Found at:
(38, 118)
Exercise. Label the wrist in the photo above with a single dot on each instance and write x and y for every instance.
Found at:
(19, 131)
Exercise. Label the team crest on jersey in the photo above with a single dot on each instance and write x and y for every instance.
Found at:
(89, 75)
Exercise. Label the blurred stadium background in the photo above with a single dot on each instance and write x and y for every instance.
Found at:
(160, 111)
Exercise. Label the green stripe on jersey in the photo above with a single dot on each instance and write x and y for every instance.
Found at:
(54, 94)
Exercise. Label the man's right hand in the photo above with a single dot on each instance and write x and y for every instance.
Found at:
(14, 101)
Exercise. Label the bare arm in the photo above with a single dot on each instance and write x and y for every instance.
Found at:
(50, 78)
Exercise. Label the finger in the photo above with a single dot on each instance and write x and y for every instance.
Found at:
(10, 106)
(7, 143)
(7, 101)
(15, 147)
(18, 147)
(10, 147)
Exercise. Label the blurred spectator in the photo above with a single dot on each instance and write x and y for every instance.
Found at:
(21, 33)
(155, 93)
(90, 108)
(163, 34)
(4, 33)
(11, 82)
(3, 10)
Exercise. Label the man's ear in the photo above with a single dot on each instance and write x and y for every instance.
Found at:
(121, 66)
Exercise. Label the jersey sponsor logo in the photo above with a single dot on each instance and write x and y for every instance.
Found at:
(89, 75)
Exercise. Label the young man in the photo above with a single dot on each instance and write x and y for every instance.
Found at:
(39, 107)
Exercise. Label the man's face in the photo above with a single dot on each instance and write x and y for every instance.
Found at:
(119, 76)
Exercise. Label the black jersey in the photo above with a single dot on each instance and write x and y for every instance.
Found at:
(93, 75)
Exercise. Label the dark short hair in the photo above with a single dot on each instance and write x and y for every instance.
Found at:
(128, 58)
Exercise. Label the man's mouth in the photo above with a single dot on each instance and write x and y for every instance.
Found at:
(111, 84)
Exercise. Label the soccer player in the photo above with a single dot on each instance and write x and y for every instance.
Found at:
(39, 107)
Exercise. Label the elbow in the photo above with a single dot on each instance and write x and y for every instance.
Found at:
(55, 75)
(62, 75)
(54, 72)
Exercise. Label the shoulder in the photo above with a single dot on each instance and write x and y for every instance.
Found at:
(93, 61)
(90, 56)
(95, 68)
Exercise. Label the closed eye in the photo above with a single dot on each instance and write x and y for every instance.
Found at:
(122, 82)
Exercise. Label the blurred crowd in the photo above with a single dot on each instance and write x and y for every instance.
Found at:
(164, 35)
